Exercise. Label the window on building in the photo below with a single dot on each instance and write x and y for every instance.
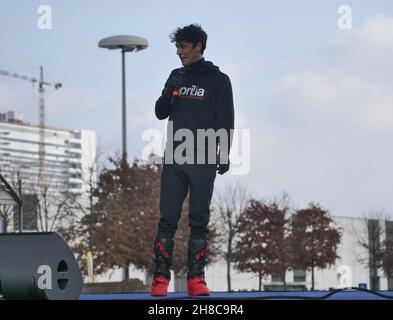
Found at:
(299, 275)
(278, 277)
(389, 230)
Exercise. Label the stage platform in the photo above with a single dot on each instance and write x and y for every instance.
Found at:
(254, 295)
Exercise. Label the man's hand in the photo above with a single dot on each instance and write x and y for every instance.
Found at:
(174, 82)
(222, 167)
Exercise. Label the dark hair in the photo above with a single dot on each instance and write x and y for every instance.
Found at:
(192, 33)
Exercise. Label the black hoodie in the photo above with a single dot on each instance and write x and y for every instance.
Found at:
(205, 101)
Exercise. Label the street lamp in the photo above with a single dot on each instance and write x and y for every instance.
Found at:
(126, 44)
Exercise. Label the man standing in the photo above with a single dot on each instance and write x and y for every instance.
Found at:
(196, 97)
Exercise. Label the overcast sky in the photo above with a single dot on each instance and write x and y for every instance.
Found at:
(317, 99)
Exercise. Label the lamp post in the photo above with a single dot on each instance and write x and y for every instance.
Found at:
(126, 44)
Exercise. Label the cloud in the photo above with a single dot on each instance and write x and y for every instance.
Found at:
(19, 96)
(365, 51)
(332, 99)
(322, 132)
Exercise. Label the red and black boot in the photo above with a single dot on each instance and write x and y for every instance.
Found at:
(197, 259)
(163, 249)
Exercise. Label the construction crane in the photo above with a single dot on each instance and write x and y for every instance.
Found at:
(41, 91)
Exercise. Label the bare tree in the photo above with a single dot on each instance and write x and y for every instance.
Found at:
(84, 205)
(229, 205)
(387, 259)
(54, 208)
(370, 239)
(94, 166)
(7, 211)
(6, 215)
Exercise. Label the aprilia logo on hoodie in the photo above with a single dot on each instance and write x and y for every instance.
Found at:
(193, 92)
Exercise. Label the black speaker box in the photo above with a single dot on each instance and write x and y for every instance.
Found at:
(38, 266)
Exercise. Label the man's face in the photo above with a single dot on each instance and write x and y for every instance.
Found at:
(187, 53)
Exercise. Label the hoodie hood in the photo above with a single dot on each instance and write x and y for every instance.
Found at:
(209, 67)
(200, 67)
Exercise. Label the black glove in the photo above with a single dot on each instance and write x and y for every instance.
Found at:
(222, 167)
(174, 82)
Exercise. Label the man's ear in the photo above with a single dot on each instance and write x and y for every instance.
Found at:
(199, 46)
